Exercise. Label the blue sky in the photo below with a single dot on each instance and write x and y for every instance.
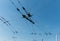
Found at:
(46, 15)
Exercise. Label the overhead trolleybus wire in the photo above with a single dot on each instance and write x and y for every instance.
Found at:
(24, 16)
(28, 13)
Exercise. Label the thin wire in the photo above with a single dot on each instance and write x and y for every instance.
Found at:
(7, 23)
(22, 6)
(30, 20)
(19, 10)
(25, 11)
(12, 2)
(16, 7)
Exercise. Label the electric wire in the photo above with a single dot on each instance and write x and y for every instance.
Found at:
(22, 6)
(8, 24)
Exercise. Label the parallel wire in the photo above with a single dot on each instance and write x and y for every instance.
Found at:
(24, 16)
(33, 31)
(7, 23)
(24, 10)
(22, 6)
(21, 13)
(16, 7)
